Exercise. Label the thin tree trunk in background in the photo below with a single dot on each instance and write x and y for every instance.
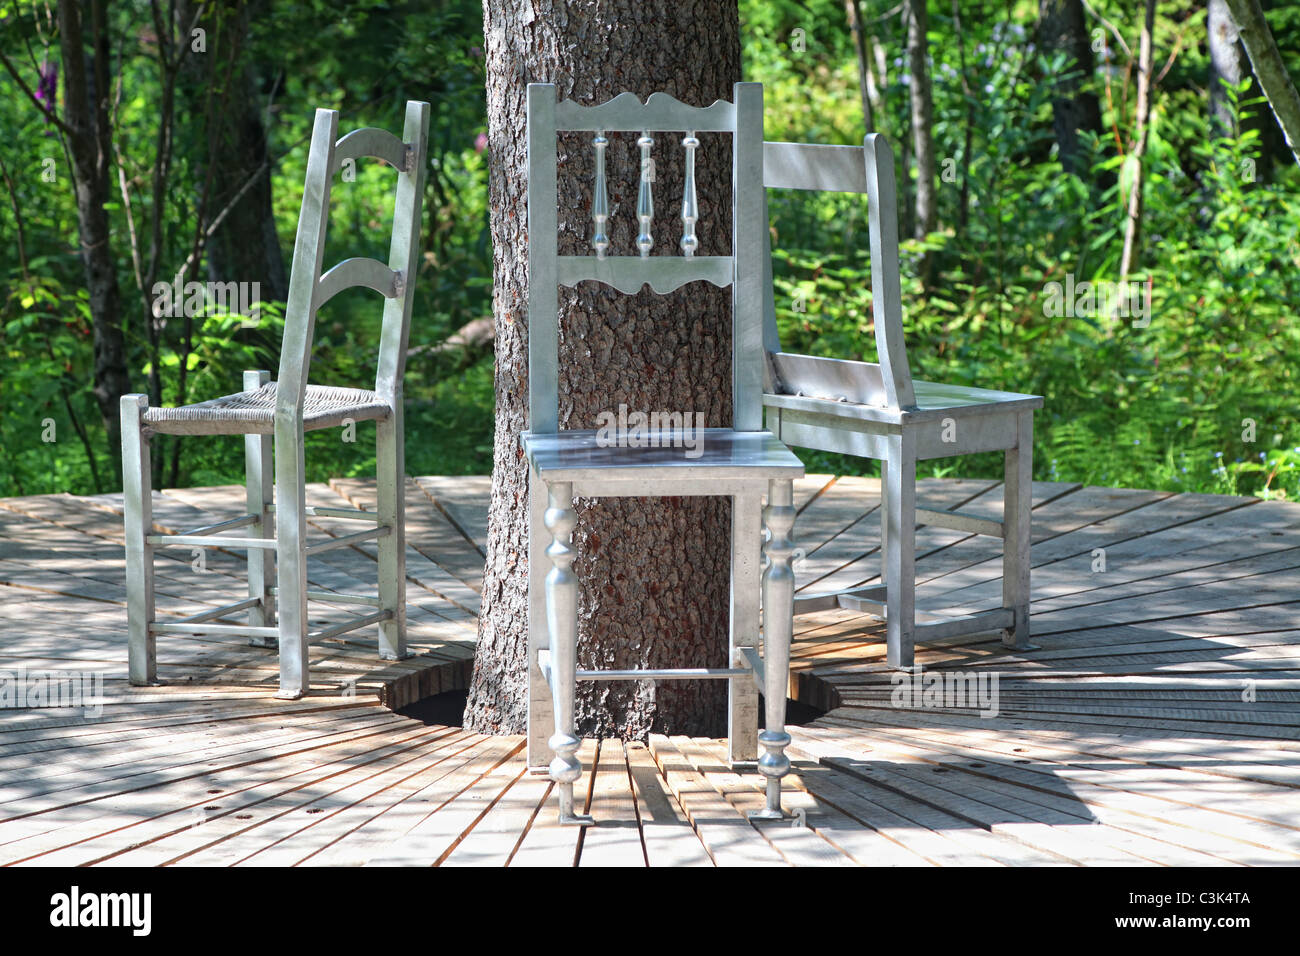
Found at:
(1229, 63)
(1075, 107)
(1133, 222)
(852, 9)
(85, 100)
(1269, 69)
(968, 126)
(922, 108)
(653, 572)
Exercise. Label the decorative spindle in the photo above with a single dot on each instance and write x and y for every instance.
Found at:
(690, 211)
(599, 199)
(562, 631)
(645, 207)
(778, 629)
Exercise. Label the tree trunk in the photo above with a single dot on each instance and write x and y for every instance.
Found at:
(922, 100)
(1133, 221)
(1229, 63)
(221, 91)
(653, 572)
(85, 102)
(1269, 69)
(852, 9)
(1061, 28)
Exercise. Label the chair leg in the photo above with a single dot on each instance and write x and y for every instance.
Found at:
(742, 697)
(259, 482)
(1017, 501)
(778, 631)
(291, 559)
(541, 710)
(138, 507)
(899, 501)
(391, 495)
(562, 632)
(884, 519)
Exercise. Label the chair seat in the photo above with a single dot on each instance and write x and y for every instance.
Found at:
(937, 397)
(719, 453)
(934, 401)
(253, 413)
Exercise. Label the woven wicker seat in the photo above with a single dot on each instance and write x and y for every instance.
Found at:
(272, 417)
(253, 413)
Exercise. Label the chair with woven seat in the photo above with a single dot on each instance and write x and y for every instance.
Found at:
(273, 418)
(875, 410)
(742, 462)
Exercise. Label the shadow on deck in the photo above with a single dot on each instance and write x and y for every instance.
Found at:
(1157, 723)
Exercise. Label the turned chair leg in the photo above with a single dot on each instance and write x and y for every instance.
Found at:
(390, 470)
(898, 498)
(742, 695)
(541, 708)
(138, 508)
(1016, 505)
(259, 484)
(562, 631)
(778, 631)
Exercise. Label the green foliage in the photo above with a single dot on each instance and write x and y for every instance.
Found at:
(1164, 404)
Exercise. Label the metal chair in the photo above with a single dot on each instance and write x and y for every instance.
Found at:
(286, 409)
(742, 462)
(876, 410)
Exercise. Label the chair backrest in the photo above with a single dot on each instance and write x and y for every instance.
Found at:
(869, 169)
(742, 270)
(309, 290)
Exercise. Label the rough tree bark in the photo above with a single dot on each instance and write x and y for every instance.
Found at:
(89, 138)
(1133, 221)
(1269, 69)
(653, 573)
(1075, 107)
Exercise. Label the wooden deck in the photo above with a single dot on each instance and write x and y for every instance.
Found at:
(1158, 723)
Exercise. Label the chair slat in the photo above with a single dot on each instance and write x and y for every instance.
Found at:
(358, 271)
(660, 113)
(370, 141)
(629, 274)
(811, 166)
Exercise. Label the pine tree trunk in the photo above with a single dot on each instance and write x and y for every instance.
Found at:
(221, 92)
(1061, 28)
(653, 572)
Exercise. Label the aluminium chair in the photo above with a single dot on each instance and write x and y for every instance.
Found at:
(742, 462)
(273, 417)
(875, 410)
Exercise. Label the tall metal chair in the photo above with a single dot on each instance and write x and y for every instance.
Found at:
(743, 461)
(876, 410)
(285, 409)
